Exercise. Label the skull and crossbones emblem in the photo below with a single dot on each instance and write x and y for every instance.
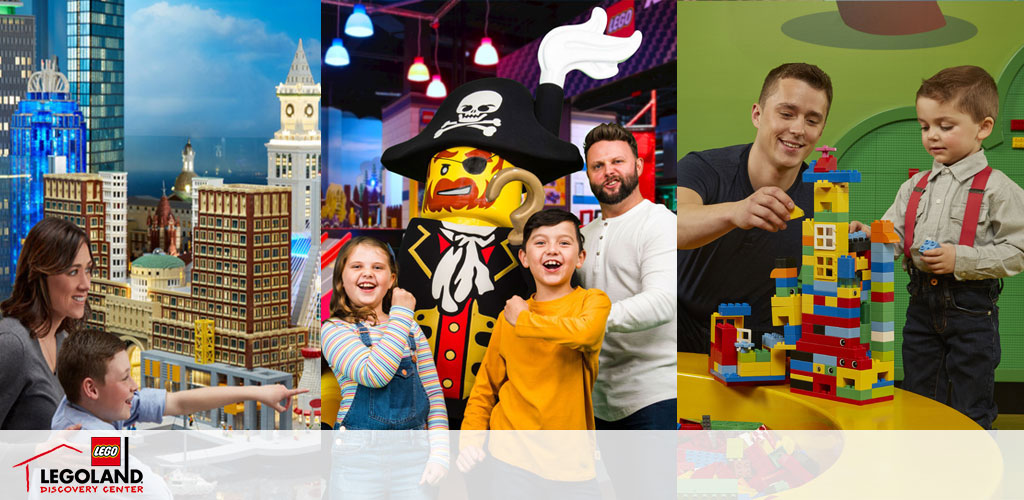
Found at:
(472, 111)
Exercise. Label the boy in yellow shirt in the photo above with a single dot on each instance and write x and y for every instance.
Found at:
(541, 362)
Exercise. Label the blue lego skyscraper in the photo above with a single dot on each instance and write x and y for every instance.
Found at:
(47, 136)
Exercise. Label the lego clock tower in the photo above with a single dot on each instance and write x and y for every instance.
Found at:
(293, 155)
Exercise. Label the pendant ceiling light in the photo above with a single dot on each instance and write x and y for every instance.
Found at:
(358, 23)
(418, 72)
(486, 55)
(436, 89)
(337, 55)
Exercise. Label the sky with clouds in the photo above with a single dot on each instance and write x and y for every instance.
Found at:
(208, 69)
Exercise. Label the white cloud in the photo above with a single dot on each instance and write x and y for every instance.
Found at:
(195, 71)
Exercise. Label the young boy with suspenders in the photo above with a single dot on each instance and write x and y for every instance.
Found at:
(962, 225)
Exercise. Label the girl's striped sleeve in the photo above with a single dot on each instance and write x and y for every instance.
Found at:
(367, 366)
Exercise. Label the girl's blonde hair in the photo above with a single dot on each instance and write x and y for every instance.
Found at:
(341, 307)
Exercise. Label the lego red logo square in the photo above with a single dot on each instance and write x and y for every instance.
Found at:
(106, 451)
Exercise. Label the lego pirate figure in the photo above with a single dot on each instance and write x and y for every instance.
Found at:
(457, 258)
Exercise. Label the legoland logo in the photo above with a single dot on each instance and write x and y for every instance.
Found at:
(106, 452)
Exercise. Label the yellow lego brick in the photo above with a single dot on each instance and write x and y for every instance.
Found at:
(819, 368)
(866, 275)
(1018, 142)
(881, 392)
(796, 213)
(861, 264)
(883, 355)
(882, 336)
(754, 369)
(778, 363)
(861, 379)
(884, 368)
(832, 301)
(718, 368)
(807, 301)
(808, 260)
(785, 310)
(882, 287)
(846, 292)
(734, 448)
(807, 227)
(842, 236)
(797, 376)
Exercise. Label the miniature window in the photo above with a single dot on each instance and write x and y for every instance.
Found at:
(824, 237)
(825, 268)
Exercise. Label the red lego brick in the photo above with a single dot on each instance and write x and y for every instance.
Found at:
(819, 300)
(725, 341)
(848, 303)
(841, 400)
(883, 296)
(1017, 125)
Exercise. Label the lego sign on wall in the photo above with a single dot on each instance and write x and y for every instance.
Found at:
(106, 452)
(621, 19)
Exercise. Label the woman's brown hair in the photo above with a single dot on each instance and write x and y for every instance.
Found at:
(50, 248)
(341, 307)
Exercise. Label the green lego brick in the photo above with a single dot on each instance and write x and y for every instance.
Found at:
(882, 346)
(746, 357)
(832, 217)
(830, 370)
(763, 355)
(846, 392)
(881, 392)
(865, 332)
(782, 291)
(807, 250)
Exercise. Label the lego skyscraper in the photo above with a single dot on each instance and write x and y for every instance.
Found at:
(17, 51)
(96, 72)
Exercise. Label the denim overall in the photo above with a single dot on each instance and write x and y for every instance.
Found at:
(401, 404)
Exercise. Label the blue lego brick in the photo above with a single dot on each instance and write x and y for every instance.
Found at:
(881, 250)
(786, 282)
(858, 234)
(883, 326)
(701, 459)
(734, 309)
(825, 359)
(835, 176)
(727, 369)
(928, 245)
(843, 333)
(837, 312)
(732, 377)
(807, 289)
(826, 288)
(804, 366)
(882, 383)
(883, 277)
(886, 266)
(865, 290)
(770, 339)
(793, 333)
(846, 267)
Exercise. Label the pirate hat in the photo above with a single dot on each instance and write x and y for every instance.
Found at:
(492, 114)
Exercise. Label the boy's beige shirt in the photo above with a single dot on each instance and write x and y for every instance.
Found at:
(998, 249)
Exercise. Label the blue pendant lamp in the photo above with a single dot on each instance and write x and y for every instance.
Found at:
(337, 55)
(358, 23)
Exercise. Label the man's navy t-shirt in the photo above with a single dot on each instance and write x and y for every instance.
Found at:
(737, 266)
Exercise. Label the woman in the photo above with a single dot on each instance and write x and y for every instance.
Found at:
(51, 289)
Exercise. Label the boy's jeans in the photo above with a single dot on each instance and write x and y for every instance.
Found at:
(952, 337)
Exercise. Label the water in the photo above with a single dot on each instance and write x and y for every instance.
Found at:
(155, 160)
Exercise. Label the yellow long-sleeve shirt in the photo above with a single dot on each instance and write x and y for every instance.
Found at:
(539, 375)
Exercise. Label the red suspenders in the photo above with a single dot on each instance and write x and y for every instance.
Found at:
(970, 226)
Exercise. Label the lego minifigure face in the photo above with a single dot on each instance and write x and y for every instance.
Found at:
(367, 277)
(69, 290)
(456, 183)
(789, 123)
(551, 254)
(948, 134)
(613, 170)
(114, 395)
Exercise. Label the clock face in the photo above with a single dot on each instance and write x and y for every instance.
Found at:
(309, 110)
(289, 110)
